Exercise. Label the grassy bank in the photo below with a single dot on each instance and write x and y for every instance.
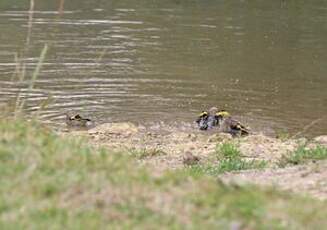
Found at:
(50, 182)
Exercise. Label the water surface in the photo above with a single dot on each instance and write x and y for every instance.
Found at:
(150, 61)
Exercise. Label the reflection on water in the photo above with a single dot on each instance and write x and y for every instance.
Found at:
(147, 61)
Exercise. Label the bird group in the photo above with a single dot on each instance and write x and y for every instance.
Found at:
(222, 120)
(213, 118)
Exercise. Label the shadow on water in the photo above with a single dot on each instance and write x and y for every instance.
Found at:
(152, 61)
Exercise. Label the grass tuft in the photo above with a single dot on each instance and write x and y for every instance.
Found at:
(302, 155)
(228, 151)
(229, 159)
(16, 106)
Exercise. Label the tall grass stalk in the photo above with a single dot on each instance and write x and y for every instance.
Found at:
(19, 105)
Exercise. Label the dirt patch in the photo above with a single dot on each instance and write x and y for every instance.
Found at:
(161, 150)
(267, 148)
(307, 179)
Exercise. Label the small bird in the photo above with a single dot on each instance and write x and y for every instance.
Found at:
(202, 120)
(207, 120)
(229, 125)
(190, 159)
(78, 121)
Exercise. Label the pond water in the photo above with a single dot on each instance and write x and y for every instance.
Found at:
(151, 61)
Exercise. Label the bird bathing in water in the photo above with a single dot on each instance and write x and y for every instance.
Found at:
(77, 121)
(207, 120)
(223, 120)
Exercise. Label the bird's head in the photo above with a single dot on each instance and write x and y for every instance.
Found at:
(202, 120)
(70, 116)
(221, 114)
(203, 114)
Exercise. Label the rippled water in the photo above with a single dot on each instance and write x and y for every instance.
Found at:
(150, 61)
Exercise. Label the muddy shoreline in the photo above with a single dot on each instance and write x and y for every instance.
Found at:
(165, 149)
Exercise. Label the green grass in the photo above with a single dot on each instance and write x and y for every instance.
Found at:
(229, 159)
(303, 155)
(228, 151)
(53, 182)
